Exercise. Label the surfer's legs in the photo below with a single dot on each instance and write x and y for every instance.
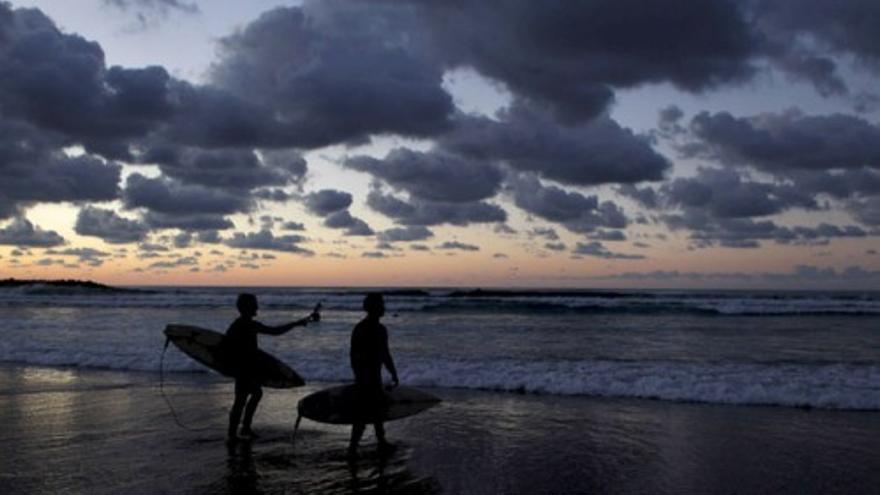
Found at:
(380, 433)
(357, 431)
(250, 409)
(243, 389)
(235, 415)
(385, 447)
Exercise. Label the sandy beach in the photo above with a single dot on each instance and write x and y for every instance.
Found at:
(69, 430)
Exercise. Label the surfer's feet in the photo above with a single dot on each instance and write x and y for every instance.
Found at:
(386, 448)
(248, 434)
(352, 453)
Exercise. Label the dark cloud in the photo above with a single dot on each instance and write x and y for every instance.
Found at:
(152, 247)
(183, 240)
(59, 81)
(645, 196)
(724, 194)
(839, 184)
(344, 220)
(669, 121)
(573, 210)
(266, 240)
(233, 169)
(333, 206)
(327, 201)
(108, 226)
(779, 143)
(434, 175)
(596, 249)
(607, 235)
(458, 246)
(545, 232)
(866, 210)
(209, 117)
(35, 169)
(387, 246)
(165, 196)
(503, 228)
(336, 72)
(405, 234)
(805, 34)
(184, 261)
(89, 256)
(555, 246)
(595, 152)
(276, 195)
(808, 156)
(707, 231)
(420, 212)
(189, 222)
(21, 232)
(296, 226)
(569, 55)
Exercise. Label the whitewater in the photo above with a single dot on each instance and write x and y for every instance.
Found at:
(790, 349)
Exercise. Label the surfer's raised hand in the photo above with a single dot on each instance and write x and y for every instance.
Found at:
(316, 313)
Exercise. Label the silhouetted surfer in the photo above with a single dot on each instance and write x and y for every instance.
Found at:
(369, 352)
(241, 342)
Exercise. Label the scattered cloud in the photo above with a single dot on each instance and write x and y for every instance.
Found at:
(433, 176)
(457, 246)
(427, 213)
(266, 240)
(405, 234)
(108, 226)
(21, 232)
(597, 250)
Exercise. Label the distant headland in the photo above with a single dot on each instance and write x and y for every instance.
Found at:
(62, 284)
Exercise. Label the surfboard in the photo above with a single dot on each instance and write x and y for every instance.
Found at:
(340, 405)
(206, 346)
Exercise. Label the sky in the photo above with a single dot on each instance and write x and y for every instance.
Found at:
(625, 143)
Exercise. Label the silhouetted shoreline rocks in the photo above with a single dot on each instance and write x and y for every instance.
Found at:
(63, 284)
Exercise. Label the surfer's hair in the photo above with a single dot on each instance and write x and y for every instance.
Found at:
(373, 302)
(246, 302)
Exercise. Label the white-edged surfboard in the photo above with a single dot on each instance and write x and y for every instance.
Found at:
(340, 405)
(206, 346)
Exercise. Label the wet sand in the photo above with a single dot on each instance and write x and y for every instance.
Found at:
(71, 430)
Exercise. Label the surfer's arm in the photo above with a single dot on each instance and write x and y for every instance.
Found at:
(387, 360)
(280, 329)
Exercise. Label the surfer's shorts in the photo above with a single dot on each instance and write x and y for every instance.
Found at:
(246, 382)
(370, 399)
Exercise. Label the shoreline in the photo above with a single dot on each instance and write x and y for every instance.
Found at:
(72, 429)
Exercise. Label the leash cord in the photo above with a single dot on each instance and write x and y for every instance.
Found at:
(164, 396)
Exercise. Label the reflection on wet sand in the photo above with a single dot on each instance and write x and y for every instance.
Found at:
(273, 464)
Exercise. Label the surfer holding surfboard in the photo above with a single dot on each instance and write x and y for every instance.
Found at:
(369, 352)
(241, 348)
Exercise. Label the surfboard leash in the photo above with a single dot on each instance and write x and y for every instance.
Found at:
(164, 396)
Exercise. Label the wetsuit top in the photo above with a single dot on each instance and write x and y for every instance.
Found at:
(241, 342)
(369, 351)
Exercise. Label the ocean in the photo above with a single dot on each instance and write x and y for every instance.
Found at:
(769, 348)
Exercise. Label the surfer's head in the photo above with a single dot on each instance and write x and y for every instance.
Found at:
(374, 304)
(247, 304)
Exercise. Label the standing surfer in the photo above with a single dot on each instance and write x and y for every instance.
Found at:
(369, 352)
(241, 343)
